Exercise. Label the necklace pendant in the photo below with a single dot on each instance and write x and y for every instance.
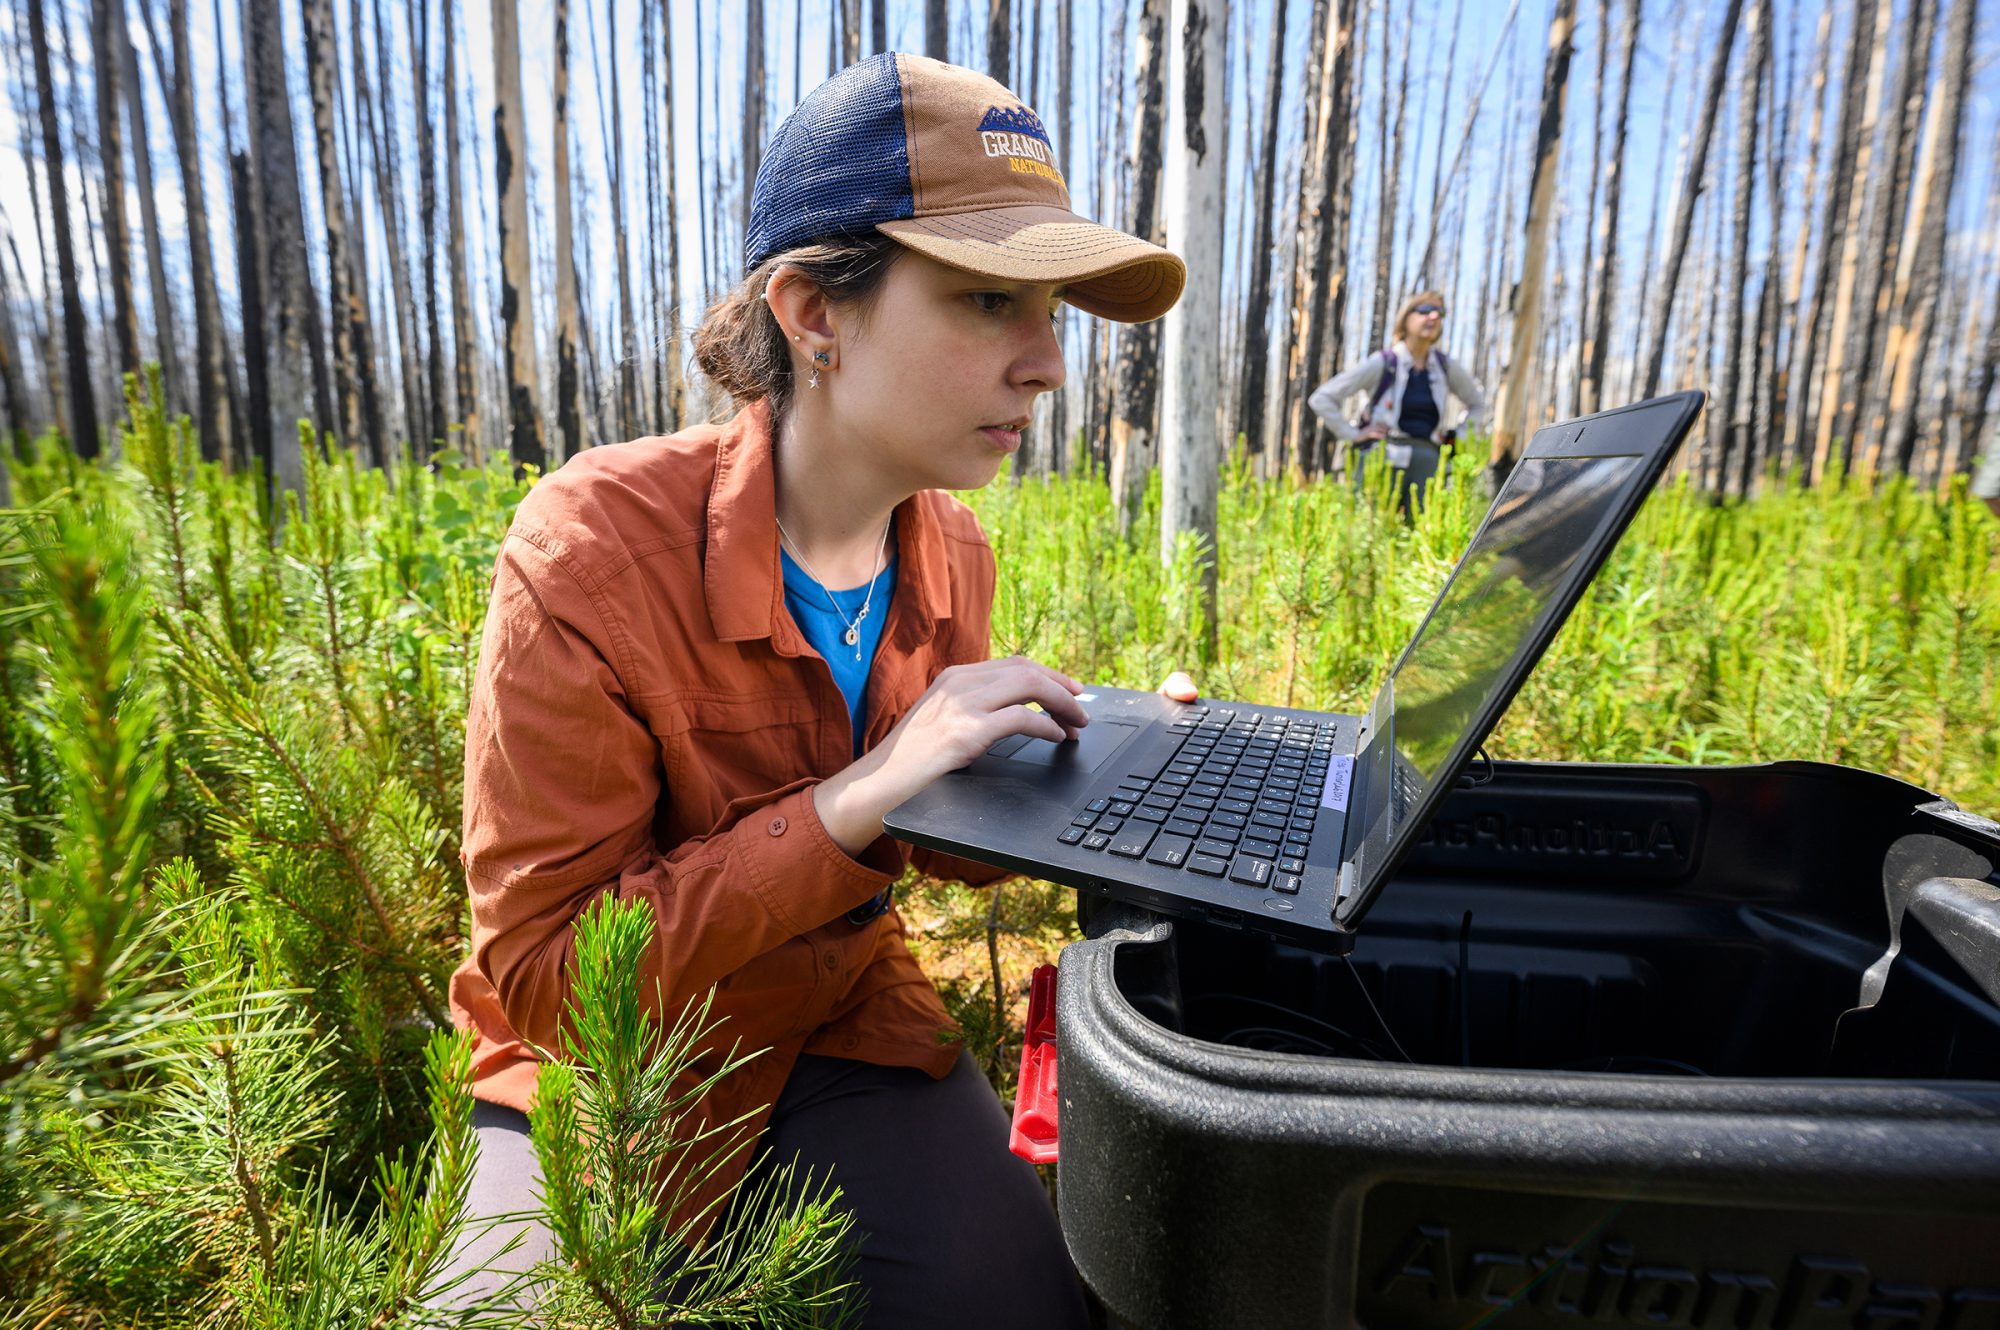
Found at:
(853, 637)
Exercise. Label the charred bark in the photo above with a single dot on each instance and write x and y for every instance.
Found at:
(1604, 265)
(465, 348)
(1510, 415)
(1873, 289)
(999, 32)
(1669, 275)
(1257, 316)
(213, 376)
(383, 134)
(84, 437)
(937, 29)
(165, 328)
(1134, 446)
(353, 358)
(569, 384)
(107, 44)
(1920, 270)
(295, 369)
(421, 19)
(517, 277)
(1857, 121)
(1729, 416)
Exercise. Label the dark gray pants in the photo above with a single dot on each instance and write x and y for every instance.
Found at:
(1410, 480)
(951, 1226)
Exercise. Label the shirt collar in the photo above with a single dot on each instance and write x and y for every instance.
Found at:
(742, 579)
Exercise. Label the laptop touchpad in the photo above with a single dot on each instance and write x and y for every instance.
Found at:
(1099, 740)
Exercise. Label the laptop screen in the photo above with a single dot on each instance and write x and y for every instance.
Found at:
(1446, 692)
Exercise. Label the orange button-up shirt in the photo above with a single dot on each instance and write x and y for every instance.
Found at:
(647, 720)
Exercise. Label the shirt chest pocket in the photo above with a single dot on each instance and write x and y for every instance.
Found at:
(715, 747)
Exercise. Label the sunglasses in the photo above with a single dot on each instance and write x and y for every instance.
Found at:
(1427, 308)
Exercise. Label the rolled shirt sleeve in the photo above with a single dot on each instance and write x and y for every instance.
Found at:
(563, 787)
(1326, 399)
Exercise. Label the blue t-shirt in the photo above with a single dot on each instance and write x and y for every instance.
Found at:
(827, 631)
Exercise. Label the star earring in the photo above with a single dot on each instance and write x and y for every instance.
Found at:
(821, 360)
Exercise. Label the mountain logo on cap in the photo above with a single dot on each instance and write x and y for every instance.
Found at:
(1017, 134)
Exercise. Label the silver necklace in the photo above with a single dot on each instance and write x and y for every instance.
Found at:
(853, 634)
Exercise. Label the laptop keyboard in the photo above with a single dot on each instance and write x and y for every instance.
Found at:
(1235, 799)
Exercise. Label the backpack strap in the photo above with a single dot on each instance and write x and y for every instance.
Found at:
(1382, 386)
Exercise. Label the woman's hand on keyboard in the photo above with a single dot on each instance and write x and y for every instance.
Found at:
(966, 710)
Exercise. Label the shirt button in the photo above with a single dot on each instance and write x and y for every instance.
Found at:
(776, 826)
(832, 961)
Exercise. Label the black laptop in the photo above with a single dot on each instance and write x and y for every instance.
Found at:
(1292, 821)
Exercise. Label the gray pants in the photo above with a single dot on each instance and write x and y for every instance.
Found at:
(950, 1224)
(1410, 480)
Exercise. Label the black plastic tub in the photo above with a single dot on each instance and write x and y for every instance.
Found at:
(1607, 1052)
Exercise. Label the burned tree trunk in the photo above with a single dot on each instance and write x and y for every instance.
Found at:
(107, 44)
(1604, 265)
(1390, 154)
(1920, 269)
(999, 30)
(1292, 369)
(1190, 440)
(258, 443)
(1839, 313)
(937, 29)
(1668, 277)
(214, 379)
(753, 101)
(1728, 417)
(84, 436)
(1585, 268)
(1804, 344)
(569, 383)
(421, 18)
(626, 359)
(676, 388)
(165, 331)
(1257, 318)
(850, 31)
(465, 346)
(1791, 338)
(1133, 444)
(292, 337)
(353, 356)
(517, 275)
(1510, 415)
(382, 139)
(654, 259)
(1320, 302)
(1872, 288)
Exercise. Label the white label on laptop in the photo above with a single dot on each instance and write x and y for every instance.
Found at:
(1339, 776)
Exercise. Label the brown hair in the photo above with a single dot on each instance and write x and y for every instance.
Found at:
(1435, 297)
(740, 346)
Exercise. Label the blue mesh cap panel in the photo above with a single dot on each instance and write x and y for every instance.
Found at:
(837, 165)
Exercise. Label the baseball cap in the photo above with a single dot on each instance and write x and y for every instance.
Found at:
(949, 163)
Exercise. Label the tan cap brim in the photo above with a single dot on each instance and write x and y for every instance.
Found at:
(1108, 273)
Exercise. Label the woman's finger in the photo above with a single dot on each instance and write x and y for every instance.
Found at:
(1020, 719)
(1034, 683)
(1180, 687)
